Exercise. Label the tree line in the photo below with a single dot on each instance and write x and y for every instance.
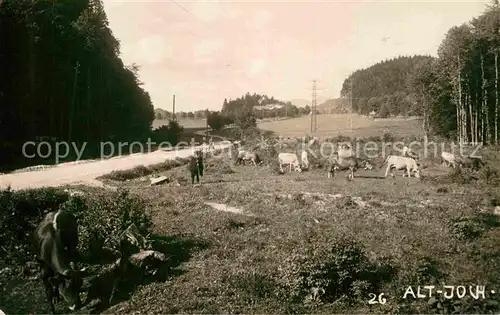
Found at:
(62, 77)
(456, 93)
(459, 90)
(262, 107)
(383, 88)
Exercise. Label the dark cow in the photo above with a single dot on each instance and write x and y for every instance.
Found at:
(56, 241)
(196, 168)
(475, 163)
(351, 163)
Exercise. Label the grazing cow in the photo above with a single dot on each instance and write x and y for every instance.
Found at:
(305, 160)
(474, 163)
(195, 167)
(56, 240)
(351, 163)
(244, 156)
(401, 162)
(448, 159)
(345, 151)
(290, 159)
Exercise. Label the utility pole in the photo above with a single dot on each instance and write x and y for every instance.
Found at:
(313, 109)
(350, 100)
(173, 108)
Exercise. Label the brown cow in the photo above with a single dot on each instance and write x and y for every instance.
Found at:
(56, 240)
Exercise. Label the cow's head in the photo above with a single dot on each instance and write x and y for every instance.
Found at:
(417, 173)
(298, 168)
(70, 285)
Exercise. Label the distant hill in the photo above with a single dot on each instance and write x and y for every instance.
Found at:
(300, 102)
(384, 87)
(334, 106)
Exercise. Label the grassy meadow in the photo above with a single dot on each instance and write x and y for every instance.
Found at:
(332, 125)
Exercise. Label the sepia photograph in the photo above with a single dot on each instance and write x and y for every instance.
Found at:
(249, 157)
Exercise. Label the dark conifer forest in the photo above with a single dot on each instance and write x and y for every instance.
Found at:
(62, 77)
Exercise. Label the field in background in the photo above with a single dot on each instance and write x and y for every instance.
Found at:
(332, 125)
(186, 123)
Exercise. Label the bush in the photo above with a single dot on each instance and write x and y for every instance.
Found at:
(216, 121)
(101, 218)
(471, 227)
(323, 273)
(489, 176)
(20, 212)
(167, 133)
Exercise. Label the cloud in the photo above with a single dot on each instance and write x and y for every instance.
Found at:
(149, 50)
(256, 67)
(207, 47)
(233, 13)
(108, 4)
(259, 19)
(207, 11)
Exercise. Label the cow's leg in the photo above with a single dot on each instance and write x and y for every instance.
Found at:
(49, 291)
(387, 170)
(55, 285)
(192, 178)
(350, 176)
(408, 170)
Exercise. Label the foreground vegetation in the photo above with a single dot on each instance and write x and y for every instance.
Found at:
(300, 244)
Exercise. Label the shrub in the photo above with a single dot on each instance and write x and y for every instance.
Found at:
(101, 218)
(490, 176)
(167, 133)
(471, 227)
(461, 176)
(324, 272)
(20, 212)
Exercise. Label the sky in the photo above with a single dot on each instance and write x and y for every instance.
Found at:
(205, 51)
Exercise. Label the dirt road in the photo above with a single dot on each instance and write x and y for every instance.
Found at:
(85, 173)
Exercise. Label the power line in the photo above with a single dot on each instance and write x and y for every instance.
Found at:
(183, 8)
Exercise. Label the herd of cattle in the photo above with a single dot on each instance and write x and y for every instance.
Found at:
(343, 159)
(56, 237)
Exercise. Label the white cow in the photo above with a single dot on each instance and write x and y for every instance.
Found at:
(344, 152)
(448, 159)
(304, 159)
(401, 162)
(290, 159)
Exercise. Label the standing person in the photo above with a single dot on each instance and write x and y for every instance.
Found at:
(211, 144)
(199, 160)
